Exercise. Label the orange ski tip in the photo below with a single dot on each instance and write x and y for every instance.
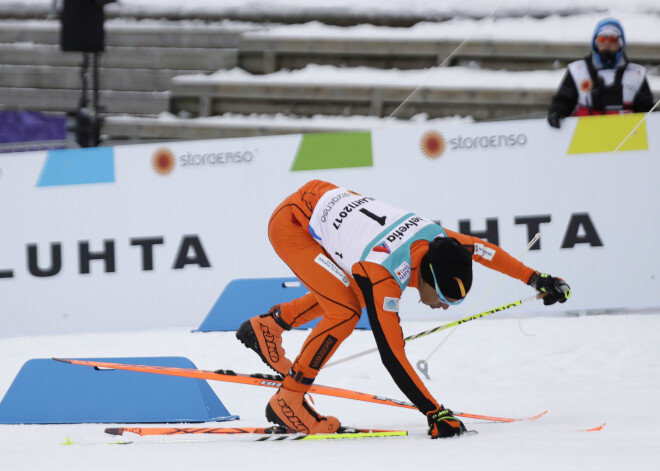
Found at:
(537, 416)
(596, 429)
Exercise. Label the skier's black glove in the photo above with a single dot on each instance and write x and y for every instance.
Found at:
(554, 119)
(443, 424)
(556, 289)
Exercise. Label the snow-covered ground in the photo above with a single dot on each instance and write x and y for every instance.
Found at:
(585, 370)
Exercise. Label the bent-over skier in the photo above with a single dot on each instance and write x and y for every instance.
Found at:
(352, 251)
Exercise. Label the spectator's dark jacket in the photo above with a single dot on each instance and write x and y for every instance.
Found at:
(603, 99)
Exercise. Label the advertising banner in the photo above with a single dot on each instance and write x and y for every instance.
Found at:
(147, 236)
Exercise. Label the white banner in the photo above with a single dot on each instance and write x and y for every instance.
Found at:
(147, 236)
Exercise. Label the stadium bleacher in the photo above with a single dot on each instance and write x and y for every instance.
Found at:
(150, 68)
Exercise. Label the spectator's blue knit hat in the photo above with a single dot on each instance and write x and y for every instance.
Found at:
(608, 27)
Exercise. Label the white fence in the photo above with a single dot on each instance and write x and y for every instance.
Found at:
(147, 236)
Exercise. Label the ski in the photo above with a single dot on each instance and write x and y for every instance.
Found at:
(265, 380)
(265, 437)
(146, 431)
(274, 430)
(499, 419)
(334, 436)
(273, 381)
(241, 437)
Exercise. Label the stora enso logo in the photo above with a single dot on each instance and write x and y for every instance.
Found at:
(163, 160)
(432, 144)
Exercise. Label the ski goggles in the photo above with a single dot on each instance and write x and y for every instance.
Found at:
(608, 39)
(441, 297)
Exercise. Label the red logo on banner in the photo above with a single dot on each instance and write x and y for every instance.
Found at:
(163, 161)
(433, 144)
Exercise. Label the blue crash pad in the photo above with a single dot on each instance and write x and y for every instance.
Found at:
(46, 391)
(248, 297)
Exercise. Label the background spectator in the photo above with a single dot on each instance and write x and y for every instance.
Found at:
(604, 82)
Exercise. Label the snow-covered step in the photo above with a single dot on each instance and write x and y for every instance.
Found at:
(169, 127)
(122, 57)
(260, 53)
(363, 91)
(514, 44)
(116, 102)
(49, 77)
(148, 33)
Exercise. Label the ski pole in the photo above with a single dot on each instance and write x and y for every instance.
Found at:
(446, 326)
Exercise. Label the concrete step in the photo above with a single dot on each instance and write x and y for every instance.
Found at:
(293, 13)
(122, 57)
(201, 97)
(133, 34)
(114, 102)
(139, 129)
(261, 52)
(48, 77)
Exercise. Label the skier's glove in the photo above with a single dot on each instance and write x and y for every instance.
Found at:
(554, 119)
(556, 289)
(443, 424)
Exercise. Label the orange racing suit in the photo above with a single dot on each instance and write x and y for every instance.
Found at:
(338, 295)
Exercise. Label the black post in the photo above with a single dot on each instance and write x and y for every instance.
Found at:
(85, 118)
(82, 30)
(97, 106)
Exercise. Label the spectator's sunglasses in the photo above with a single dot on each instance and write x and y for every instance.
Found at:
(608, 39)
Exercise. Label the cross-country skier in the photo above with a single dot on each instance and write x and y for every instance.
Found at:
(352, 251)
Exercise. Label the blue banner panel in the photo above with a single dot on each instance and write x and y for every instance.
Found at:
(248, 297)
(46, 391)
(78, 167)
